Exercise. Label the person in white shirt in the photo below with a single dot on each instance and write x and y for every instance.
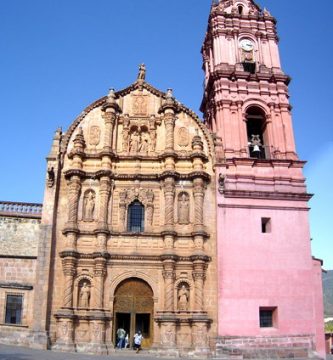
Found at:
(137, 341)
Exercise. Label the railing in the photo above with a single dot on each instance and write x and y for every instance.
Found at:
(21, 209)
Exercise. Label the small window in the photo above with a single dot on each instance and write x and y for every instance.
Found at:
(136, 215)
(266, 225)
(240, 9)
(14, 309)
(267, 317)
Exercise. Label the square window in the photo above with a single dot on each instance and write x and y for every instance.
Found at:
(14, 309)
(267, 317)
(266, 226)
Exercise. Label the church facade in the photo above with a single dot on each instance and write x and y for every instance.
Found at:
(195, 233)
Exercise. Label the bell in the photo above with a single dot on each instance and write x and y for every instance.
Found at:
(256, 148)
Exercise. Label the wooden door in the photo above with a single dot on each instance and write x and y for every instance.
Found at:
(135, 297)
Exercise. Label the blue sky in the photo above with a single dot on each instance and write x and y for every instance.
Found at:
(58, 56)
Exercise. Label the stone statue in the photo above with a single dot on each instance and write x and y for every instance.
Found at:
(125, 140)
(134, 142)
(183, 298)
(84, 295)
(89, 206)
(183, 208)
(142, 72)
(144, 144)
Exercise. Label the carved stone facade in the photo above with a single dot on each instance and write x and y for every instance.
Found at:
(133, 246)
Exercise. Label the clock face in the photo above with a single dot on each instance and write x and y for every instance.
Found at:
(246, 45)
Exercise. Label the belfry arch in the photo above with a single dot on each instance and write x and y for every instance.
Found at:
(133, 308)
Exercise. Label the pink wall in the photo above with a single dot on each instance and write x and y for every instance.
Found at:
(273, 269)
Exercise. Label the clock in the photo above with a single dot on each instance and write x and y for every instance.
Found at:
(246, 45)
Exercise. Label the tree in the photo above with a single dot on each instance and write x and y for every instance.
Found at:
(329, 327)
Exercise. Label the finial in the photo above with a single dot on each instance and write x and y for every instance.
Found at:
(169, 94)
(111, 96)
(142, 72)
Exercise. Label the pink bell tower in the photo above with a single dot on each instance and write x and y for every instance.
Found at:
(269, 293)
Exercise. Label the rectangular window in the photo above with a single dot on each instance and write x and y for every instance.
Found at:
(266, 226)
(267, 317)
(14, 309)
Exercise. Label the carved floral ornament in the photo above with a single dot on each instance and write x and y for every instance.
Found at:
(145, 196)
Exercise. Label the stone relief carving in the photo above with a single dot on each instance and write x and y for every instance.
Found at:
(183, 297)
(89, 205)
(183, 137)
(138, 140)
(94, 135)
(183, 208)
(140, 105)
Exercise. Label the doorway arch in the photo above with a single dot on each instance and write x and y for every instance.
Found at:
(134, 310)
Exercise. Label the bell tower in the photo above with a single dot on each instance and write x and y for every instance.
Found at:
(246, 91)
(269, 283)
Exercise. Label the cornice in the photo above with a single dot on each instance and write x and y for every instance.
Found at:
(135, 257)
(152, 177)
(266, 195)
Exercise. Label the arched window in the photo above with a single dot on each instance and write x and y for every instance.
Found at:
(256, 134)
(135, 217)
(240, 9)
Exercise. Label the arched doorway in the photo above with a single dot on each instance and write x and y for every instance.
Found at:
(134, 310)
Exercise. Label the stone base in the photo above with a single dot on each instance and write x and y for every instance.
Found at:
(96, 349)
(265, 347)
(40, 340)
(11, 335)
(63, 347)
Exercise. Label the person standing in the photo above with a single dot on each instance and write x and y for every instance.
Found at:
(137, 341)
(121, 333)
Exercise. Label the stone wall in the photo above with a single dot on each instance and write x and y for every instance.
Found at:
(19, 236)
(18, 258)
(265, 347)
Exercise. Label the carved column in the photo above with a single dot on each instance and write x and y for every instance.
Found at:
(169, 196)
(69, 269)
(169, 120)
(197, 147)
(198, 277)
(169, 108)
(109, 117)
(78, 150)
(71, 230)
(102, 228)
(150, 208)
(198, 193)
(74, 188)
(169, 279)
(100, 272)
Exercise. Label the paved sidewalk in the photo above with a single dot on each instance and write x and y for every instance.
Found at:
(21, 353)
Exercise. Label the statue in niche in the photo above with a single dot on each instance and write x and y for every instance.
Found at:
(125, 140)
(85, 295)
(89, 206)
(134, 142)
(144, 143)
(183, 208)
(183, 298)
